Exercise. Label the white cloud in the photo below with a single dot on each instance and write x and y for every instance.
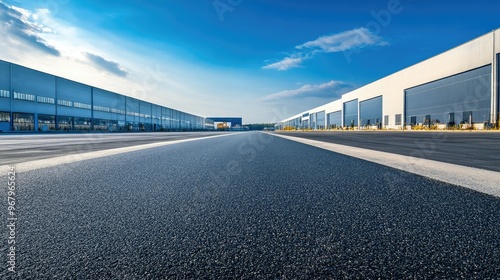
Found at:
(327, 90)
(347, 40)
(356, 38)
(20, 26)
(107, 65)
(37, 39)
(285, 64)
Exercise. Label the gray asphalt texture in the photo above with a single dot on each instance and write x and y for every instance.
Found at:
(468, 148)
(16, 148)
(247, 206)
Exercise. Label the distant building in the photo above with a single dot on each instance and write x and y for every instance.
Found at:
(232, 122)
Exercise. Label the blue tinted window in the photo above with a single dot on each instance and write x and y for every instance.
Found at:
(132, 113)
(351, 113)
(305, 123)
(320, 120)
(334, 119)
(312, 120)
(370, 111)
(466, 95)
(398, 119)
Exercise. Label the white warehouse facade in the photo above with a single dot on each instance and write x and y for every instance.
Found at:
(458, 88)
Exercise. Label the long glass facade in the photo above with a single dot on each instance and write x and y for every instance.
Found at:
(370, 112)
(35, 101)
(351, 113)
(459, 99)
(334, 120)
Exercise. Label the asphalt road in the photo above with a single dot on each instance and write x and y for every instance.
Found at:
(246, 206)
(472, 149)
(16, 148)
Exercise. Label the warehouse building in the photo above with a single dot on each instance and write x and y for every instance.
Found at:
(230, 121)
(458, 88)
(35, 101)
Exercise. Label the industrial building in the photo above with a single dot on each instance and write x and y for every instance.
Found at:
(458, 88)
(229, 122)
(31, 100)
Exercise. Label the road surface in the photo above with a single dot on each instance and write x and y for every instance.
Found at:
(246, 206)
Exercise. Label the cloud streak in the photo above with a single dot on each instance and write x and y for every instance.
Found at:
(285, 64)
(107, 65)
(325, 90)
(356, 38)
(340, 42)
(20, 24)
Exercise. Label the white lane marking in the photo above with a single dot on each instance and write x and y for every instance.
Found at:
(8, 142)
(51, 162)
(481, 180)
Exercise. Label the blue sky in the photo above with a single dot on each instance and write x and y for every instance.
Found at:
(262, 60)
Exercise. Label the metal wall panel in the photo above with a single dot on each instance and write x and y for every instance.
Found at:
(108, 105)
(5, 95)
(26, 81)
(452, 99)
(73, 92)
